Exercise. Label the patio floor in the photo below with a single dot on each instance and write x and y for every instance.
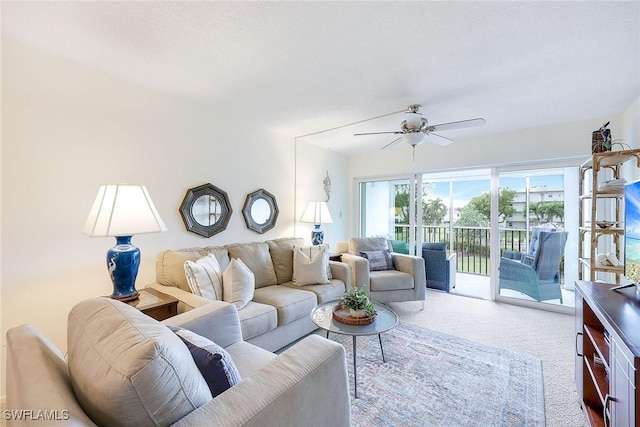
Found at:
(477, 286)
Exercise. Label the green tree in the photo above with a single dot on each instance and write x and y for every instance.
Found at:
(553, 210)
(482, 204)
(433, 211)
(401, 203)
(537, 209)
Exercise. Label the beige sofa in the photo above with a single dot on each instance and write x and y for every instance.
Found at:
(280, 311)
(404, 281)
(125, 368)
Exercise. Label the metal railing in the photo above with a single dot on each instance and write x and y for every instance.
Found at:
(471, 244)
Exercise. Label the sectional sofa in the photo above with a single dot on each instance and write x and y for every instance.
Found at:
(279, 312)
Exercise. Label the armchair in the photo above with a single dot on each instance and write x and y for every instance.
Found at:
(538, 274)
(440, 269)
(406, 281)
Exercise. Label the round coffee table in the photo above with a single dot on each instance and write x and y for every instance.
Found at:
(385, 320)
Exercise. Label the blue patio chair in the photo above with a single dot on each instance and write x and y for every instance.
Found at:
(440, 269)
(536, 275)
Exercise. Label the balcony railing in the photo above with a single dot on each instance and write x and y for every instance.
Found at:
(471, 244)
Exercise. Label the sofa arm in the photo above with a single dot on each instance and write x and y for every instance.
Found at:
(217, 320)
(359, 270)
(413, 265)
(341, 271)
(307, 385)
(186, 300)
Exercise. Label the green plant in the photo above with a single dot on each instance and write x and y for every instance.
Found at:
(357, 299)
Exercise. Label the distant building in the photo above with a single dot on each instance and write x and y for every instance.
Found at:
(536, 194)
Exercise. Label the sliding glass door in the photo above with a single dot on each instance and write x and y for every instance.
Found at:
(538, 229)
(496, 226)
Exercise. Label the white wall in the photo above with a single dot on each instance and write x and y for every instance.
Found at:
(312, 166)
(68, 129)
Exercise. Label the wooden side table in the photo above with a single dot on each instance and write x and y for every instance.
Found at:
(155, 304)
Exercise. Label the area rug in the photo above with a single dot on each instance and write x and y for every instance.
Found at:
(435, 379)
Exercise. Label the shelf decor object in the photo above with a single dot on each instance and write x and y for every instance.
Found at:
(121, 211)
(601, 212)
(316, 213)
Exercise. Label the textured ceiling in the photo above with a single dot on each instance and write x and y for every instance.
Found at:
(303, 67)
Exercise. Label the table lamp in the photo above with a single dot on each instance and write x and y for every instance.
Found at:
(317, 213)
(121, 211)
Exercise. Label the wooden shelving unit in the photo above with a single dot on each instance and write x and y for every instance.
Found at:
(607, 353)
(590, 233)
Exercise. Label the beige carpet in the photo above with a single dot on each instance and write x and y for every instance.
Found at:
(545, 335)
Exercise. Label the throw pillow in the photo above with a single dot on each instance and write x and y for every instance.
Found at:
(205, 277)
(311, 265)
(213, 361)
(238, 283)
(378, 260)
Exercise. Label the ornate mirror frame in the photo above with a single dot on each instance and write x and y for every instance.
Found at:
(251, 221)
(223, 210)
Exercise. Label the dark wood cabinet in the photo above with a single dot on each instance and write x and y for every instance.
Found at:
(607, 353)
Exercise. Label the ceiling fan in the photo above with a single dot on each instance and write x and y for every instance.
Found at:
(415, 129)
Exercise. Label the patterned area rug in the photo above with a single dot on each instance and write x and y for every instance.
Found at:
(434, 379)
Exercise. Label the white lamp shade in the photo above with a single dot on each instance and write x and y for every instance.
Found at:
(316, 213)
(123, 210)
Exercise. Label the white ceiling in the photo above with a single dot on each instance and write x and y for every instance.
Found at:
(301, 67)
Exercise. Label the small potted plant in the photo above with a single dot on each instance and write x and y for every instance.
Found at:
(357, 301)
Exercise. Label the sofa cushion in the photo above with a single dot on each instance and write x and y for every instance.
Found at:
(170, 264)
(291, 304)
(128, 369)
(238, 284)
(256, 319)
(311, 265)
(281, 251)
(359, 244)
(390, 280)
(324, 293)
(255, 256)
(205, 277)
(378, 260)
(213, 361)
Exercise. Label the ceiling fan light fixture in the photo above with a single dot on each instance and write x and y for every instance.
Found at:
(414, 139)
(413, 120)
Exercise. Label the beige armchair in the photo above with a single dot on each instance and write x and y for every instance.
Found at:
(406, 281)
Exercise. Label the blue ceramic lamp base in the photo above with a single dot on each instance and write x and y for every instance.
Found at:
(317, 235)
(123, 261)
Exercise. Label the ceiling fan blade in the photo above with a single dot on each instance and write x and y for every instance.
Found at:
(392, 143)
(457, 125)
(376, 133)
(439, 139)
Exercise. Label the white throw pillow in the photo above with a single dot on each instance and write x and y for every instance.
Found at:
(239, 283)
(205, 277)
(310, 265)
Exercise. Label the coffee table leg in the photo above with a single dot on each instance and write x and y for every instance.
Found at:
(327, 334)
(355, 374)
(381, 350)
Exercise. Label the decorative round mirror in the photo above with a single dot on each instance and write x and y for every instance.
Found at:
(260, 211)
(205, 210)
